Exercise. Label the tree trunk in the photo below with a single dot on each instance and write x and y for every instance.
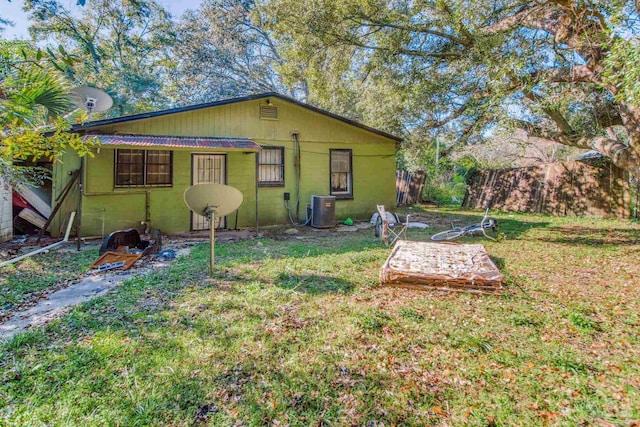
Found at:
(621, 155)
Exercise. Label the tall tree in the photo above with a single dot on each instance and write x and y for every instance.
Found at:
(562, 70)
(224, 50)
(123, 47)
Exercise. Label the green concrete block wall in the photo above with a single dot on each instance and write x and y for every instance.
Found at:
(106, 208)
(373, 177)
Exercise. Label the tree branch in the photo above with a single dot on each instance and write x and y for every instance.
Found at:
(413, 28)
(575, 74)
(403, 51)
(553, 114)
(621, 155)
(541, 17)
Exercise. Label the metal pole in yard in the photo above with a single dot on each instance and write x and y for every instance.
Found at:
(257, 177)
(212, 226)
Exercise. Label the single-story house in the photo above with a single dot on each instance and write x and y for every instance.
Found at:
(269, 146)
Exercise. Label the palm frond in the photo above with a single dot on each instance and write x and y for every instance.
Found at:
(42, 87)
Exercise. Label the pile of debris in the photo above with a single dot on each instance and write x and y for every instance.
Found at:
(31, 208)
(124, 248)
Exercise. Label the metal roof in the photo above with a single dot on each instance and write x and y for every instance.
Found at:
(89, 125)
(243, 144)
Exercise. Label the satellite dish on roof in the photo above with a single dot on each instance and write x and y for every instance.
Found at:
(210, 200)
(91, 99)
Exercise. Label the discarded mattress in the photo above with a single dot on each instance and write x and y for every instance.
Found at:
(444, 266)
(36, 197)
(32, 217)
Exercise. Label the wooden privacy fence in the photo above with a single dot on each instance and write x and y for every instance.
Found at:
(409, 187)
(577, 188)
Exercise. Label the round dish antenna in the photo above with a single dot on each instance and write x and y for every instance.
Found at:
(210, 200)
(91, 99)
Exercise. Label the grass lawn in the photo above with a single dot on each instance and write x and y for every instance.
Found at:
(32, 278)
(298, 332)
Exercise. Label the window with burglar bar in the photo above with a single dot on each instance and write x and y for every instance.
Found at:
(271, 167)
(138, 168)
(340, 169)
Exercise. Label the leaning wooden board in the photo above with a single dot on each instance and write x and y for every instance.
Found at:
(444, 266)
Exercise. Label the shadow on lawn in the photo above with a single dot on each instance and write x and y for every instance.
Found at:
(576, 235)
(268, 248)
(511, 227)
(314, 284)
(514, 229)
(136, 346)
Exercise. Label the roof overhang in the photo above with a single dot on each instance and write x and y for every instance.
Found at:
(198, 143)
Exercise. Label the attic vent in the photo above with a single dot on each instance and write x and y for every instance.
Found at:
(268, 112)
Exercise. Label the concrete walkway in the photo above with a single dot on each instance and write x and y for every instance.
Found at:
(61, 301)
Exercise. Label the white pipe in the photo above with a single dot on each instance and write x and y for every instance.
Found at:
(71, 218)
(46, 248)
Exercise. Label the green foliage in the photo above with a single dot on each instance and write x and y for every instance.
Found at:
(445, 181)
(622, 70)
(121, 47)
(460, 71)
(223, 50)
(33, 98)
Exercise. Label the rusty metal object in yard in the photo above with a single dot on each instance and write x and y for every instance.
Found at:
(443, 266)
(111, 266)
(111, 257)
(155, 244)
(128, 237)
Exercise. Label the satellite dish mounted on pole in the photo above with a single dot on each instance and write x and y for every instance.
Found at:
(91, 99)
(210, 200)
